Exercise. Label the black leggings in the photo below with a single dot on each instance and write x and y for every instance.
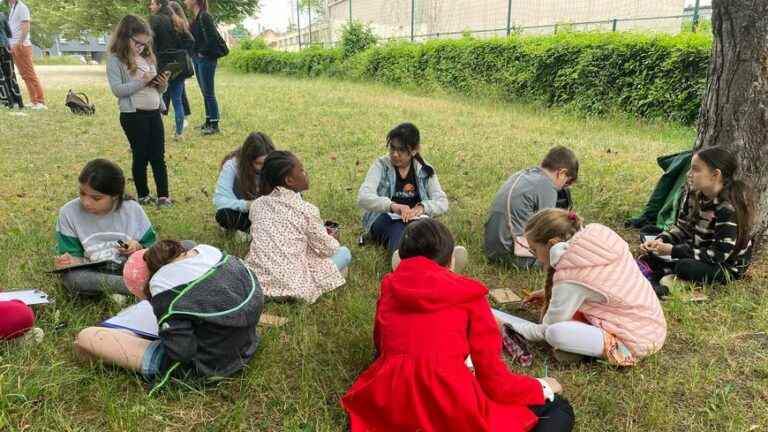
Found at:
(687, 269)
(230, 219)
(145, 133)
(555, 416)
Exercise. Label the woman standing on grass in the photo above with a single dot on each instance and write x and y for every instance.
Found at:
(171, 42)
(133, 78)
(10, 95)
(209, 47)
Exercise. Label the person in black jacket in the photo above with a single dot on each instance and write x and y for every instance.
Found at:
(10, 95)
(179, 12)
(171, 41)
(207, 305)
(208, 48)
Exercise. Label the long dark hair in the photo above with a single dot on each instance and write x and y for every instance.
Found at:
(105, 177)
(735, 191)
(406, 136)
(160, 254)
(202, 5)
(428, 238)
(180, 18)
(256, 145)
(277, 167)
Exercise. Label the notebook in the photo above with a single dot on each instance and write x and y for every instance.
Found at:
(138, 318)
(29, 297)
(82, 265)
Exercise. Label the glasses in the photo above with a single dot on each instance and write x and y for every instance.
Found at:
(139, 44)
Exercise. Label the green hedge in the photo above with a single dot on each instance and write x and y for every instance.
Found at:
(595, 73)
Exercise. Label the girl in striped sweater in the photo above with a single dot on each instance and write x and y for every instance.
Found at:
(711, 240)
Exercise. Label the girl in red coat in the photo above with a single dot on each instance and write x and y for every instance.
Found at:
(428, 320)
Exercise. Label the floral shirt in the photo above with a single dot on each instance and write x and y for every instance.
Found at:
(291, 251)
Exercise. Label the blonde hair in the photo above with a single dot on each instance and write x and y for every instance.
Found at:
(120, 42)
(551, 224)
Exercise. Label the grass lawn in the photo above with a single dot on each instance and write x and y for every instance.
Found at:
(711, 375)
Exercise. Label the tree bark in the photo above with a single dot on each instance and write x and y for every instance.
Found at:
(734, 109)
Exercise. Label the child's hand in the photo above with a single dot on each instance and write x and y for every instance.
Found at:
(147, 78)
(65, 260)
(663, 249)
(131, 247)
(399, 208)
(536, 297)
(553, 384)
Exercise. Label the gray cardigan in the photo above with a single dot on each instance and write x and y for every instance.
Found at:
(124, 87)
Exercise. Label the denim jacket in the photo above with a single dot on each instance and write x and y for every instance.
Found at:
(379, 185)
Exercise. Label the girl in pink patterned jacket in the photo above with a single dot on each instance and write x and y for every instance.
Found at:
(291, 253)
(596, 301)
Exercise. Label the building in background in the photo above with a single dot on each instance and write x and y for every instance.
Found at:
(89, 49)
(271, 38)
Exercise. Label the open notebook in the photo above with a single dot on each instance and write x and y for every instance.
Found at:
(29, 297)
(138, 318)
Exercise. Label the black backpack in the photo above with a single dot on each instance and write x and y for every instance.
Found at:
(79, 104)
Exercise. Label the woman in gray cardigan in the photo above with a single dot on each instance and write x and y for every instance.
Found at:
(400, 187)
(133, 78)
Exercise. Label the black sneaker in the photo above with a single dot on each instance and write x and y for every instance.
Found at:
(211, 130)
(164, 202)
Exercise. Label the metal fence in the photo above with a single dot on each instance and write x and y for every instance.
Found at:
(421, 20)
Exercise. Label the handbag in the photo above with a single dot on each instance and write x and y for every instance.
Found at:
(79, 104)
(179, 56)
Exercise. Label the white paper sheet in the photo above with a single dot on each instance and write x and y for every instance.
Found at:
(395, 216)
(138, 318)
(29, 297)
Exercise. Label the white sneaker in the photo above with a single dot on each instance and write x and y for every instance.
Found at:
(460, 258)
(186, 124)
(38, 107)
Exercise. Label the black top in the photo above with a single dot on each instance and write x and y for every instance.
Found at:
(204, 31)
(167, 38)
(5, 30)
(406, 188)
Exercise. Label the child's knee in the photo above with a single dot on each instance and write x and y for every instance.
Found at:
(556, 336)
(86, 339)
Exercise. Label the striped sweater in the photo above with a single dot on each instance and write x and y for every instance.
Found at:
(706, 230)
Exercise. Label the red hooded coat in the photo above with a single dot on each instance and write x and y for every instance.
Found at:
(428, 319)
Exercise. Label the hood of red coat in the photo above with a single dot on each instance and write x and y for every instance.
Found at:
(420, 284)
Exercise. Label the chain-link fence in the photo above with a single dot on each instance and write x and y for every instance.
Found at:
(420, 20)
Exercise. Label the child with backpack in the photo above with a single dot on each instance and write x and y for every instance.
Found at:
(100, 225)
(291, 252)
(519, 198)
(207, 305)
(711, 242)
(134, 80)
(238, 183)
(596, 301)
(428, 320)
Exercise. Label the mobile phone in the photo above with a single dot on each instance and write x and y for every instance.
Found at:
(173, 69)
(122, 244)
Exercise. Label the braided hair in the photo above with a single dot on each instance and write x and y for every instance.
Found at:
(277, 167)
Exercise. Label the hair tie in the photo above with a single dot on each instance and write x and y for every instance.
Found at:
(572, 216)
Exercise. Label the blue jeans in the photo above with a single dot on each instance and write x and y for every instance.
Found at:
(387, 231)
(205, 70)
(152, 360)
(342, 257)
(176, 90)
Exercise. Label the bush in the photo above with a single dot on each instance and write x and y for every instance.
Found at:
(593, 73)
(253, 44)
(355, 38)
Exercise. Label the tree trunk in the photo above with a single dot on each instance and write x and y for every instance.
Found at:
(734, 109)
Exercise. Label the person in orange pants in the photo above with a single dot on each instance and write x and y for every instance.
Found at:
(21, 51)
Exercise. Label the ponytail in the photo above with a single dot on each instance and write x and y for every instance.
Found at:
(427, 169)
